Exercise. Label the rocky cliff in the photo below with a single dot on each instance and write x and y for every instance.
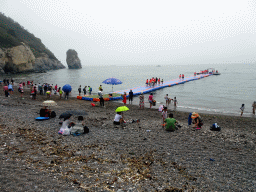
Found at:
(21, 59)
(72, 60)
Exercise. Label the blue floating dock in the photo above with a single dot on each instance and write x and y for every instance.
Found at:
(147, 89)
(170, 83)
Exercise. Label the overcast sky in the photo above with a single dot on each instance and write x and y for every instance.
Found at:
(118, 32)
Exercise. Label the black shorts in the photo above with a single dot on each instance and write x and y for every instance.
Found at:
(116, 123)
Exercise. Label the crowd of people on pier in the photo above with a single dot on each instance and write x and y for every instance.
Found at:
(154, 82)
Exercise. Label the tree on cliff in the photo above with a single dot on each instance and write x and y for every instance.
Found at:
(12, 34)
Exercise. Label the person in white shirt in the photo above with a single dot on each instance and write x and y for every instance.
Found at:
(118, 119)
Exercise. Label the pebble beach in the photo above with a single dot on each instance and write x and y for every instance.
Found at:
(138, 157)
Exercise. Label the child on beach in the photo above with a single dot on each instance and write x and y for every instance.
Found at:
(167, 99)
(124, 98)
(84, 89)
(162, 81)
(242, 109)
(175, 102)
(142, 101)
(164, 114)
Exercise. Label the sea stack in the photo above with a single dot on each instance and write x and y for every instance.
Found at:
(72, 60)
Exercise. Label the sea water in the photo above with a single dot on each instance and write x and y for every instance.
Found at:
(222, 94)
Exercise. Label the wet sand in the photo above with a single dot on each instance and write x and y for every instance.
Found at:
(140, 157)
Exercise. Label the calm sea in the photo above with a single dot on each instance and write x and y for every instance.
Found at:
(215, 94)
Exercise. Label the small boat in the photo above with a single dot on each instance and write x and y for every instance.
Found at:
(216, 73)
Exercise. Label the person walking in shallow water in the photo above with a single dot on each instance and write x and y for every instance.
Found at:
(242, 109)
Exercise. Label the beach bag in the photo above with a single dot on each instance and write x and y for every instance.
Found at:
(86, 129)
(215, 127)
(53, 114)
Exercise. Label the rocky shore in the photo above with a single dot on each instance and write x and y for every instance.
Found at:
(140, 157)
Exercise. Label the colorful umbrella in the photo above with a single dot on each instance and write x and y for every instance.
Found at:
(49, 103)
(112, 81)
(122, 108)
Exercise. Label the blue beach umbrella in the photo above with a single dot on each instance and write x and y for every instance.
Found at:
(112, 81)
(67, 88)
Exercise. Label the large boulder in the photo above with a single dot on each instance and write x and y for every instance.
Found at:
(72, 60)
(44, 63)
(19, 59)
(2, 61)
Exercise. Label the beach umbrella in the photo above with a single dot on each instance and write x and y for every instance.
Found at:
(77, 112)
(122, 108)
(67, 88)
(65, 115)
(49, 103)
(112, 81)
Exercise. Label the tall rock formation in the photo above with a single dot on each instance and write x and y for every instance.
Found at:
(72, 60)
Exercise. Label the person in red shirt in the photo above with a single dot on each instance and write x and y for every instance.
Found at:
(150, 99)
(195, 74)
(147, 82)
(5, 88)
(159, 80)
(182, 76)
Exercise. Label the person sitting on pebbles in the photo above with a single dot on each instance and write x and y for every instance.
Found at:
(118, 119)
(171, 123)
(197, 121)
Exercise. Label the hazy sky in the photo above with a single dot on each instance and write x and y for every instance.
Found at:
(142, 31)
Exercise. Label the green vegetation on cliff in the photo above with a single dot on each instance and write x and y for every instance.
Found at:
(12, 34)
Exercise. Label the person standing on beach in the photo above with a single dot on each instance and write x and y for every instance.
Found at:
(124, 98)
(5, 88)
(147, 82)
(45, 88)
(84, 89)
(130, 96)
(156, 80)
(253, 107)
(40, 88)
(33, 93)
(164, 115)
(90, 90)
(150, 100)
(159, 81)
(182, 76)
(60, 92)
(141, 101)
(79, 90)
(10, 89)
(21, 90)
(242, 109)
(162, 81)
(100, 88)
(101, 98)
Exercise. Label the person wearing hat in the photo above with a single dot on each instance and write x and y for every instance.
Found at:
(141, 100)
(196, 120)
